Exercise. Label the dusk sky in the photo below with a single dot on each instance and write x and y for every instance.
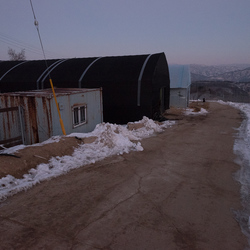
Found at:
(187, 31)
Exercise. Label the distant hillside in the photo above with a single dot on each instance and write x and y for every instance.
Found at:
(220, 90)
(197, 77)
(233, 72)
(234, 76)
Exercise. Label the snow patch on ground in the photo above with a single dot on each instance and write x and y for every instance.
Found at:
(111, 140)
(190, 111)
(242, 151)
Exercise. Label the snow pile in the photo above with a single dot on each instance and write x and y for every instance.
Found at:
(242, 149)
(111, 140)
(190, 111)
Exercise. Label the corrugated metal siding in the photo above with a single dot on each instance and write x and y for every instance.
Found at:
(31, 112)
(11, 128)
(40, 118)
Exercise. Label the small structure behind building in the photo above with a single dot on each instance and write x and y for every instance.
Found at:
(180, 82)
(29, 117)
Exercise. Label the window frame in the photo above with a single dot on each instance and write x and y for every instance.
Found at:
(77, 109)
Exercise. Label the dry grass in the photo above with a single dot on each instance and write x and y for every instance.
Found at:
(178, 113)
(198, 105)
(174, 113)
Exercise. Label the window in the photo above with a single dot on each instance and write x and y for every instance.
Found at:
(79, 115)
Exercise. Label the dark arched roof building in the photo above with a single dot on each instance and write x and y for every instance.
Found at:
(133, 86)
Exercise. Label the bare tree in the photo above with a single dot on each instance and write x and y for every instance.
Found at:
(15, 56)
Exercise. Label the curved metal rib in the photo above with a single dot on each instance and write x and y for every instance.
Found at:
(85, 71)
(11, 69)
(139, 80)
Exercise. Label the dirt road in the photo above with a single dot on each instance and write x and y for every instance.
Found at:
(178, 193)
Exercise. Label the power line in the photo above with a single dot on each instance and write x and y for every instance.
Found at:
(11, 43)
(24, 45)
(18, 42)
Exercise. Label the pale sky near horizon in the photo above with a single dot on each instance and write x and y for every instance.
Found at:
(187, 31)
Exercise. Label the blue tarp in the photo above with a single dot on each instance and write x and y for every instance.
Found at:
(179, 76)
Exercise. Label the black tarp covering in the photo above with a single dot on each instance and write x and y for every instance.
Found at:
(123, 100)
